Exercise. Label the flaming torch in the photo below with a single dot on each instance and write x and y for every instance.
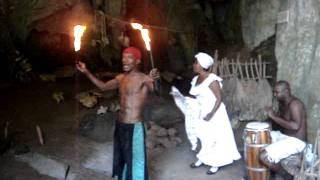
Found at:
(78, 33)
(145, 36)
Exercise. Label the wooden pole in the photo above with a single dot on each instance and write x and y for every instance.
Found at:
(257, 70)
(260, 66)
(233, 68)
(251, 68)
(223, 71)
(247, 71)
(214, 67)
(240, 69)
(264, 69)
(39, 133)
(228, 68)
(6, 129)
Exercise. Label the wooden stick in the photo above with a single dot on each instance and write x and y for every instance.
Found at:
(67, 172)
(251, 68)
(6, 129)
(233, 68)
(247, 71)
(264, 69)
(257, 70)
(225, 64)
(220, 67)
(225, 73)
(238, 66)
(228, 67)
(318, 143)
(216, 55)
(214, 67)
(240, 69)
(260, 66)
(39, 134)
(313, 167)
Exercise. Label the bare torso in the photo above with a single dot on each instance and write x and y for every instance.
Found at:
(286, 113)
(133, 89)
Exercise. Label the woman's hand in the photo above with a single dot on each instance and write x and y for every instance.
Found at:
(208, 116)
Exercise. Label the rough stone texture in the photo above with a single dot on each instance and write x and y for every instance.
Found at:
(54, 16)
(298, 53)
(226, 21)
(7, 48)
(177, 13)
(46, 165)
(116, 8)
(100, 159)
(258, 20)
(267, 51)
(162, 111)
(98, 127)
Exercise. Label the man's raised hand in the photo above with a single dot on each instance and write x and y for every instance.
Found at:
(81, 66)
(154, 73)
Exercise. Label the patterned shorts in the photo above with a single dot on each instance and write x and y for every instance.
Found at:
(292, 164)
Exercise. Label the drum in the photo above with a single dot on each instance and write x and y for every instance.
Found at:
(256, 136)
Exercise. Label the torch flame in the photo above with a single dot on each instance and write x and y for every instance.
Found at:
(144, 34)
(146, 38)
(78, 32)
(136, 26)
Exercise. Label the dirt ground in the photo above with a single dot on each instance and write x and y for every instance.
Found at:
(68, 155)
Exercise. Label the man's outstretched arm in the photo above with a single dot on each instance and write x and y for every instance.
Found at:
(112, 84)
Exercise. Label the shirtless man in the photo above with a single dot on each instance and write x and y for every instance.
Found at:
(292, 120)
(129, 160)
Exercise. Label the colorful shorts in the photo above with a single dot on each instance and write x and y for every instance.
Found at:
(129, 155)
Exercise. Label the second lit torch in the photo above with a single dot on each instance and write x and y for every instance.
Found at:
(147, 40)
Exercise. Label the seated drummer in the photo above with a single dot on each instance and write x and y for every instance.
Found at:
(285, 151)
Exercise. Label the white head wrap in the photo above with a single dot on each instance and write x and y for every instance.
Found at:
(204, 59)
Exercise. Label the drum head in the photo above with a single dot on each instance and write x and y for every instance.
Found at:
(257, 125)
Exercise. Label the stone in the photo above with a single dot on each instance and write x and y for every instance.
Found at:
(258, 19)
(98, 127)
(46, 165)
(100, 160)
(298, 53)
(172, 132)
(162, 132)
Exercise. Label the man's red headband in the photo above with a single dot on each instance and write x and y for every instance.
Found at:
(134, 51)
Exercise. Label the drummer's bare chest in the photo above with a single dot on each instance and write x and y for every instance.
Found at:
(285, 113)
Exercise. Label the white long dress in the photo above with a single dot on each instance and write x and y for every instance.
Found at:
(218, 147)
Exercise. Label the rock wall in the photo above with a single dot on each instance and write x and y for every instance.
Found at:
(297, 49)
(53, 15)
(176, 14)
(258, 19)
(298, 54)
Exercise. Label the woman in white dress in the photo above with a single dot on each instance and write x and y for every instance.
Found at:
(209, 122)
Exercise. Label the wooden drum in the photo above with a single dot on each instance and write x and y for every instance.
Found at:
(256, 136)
